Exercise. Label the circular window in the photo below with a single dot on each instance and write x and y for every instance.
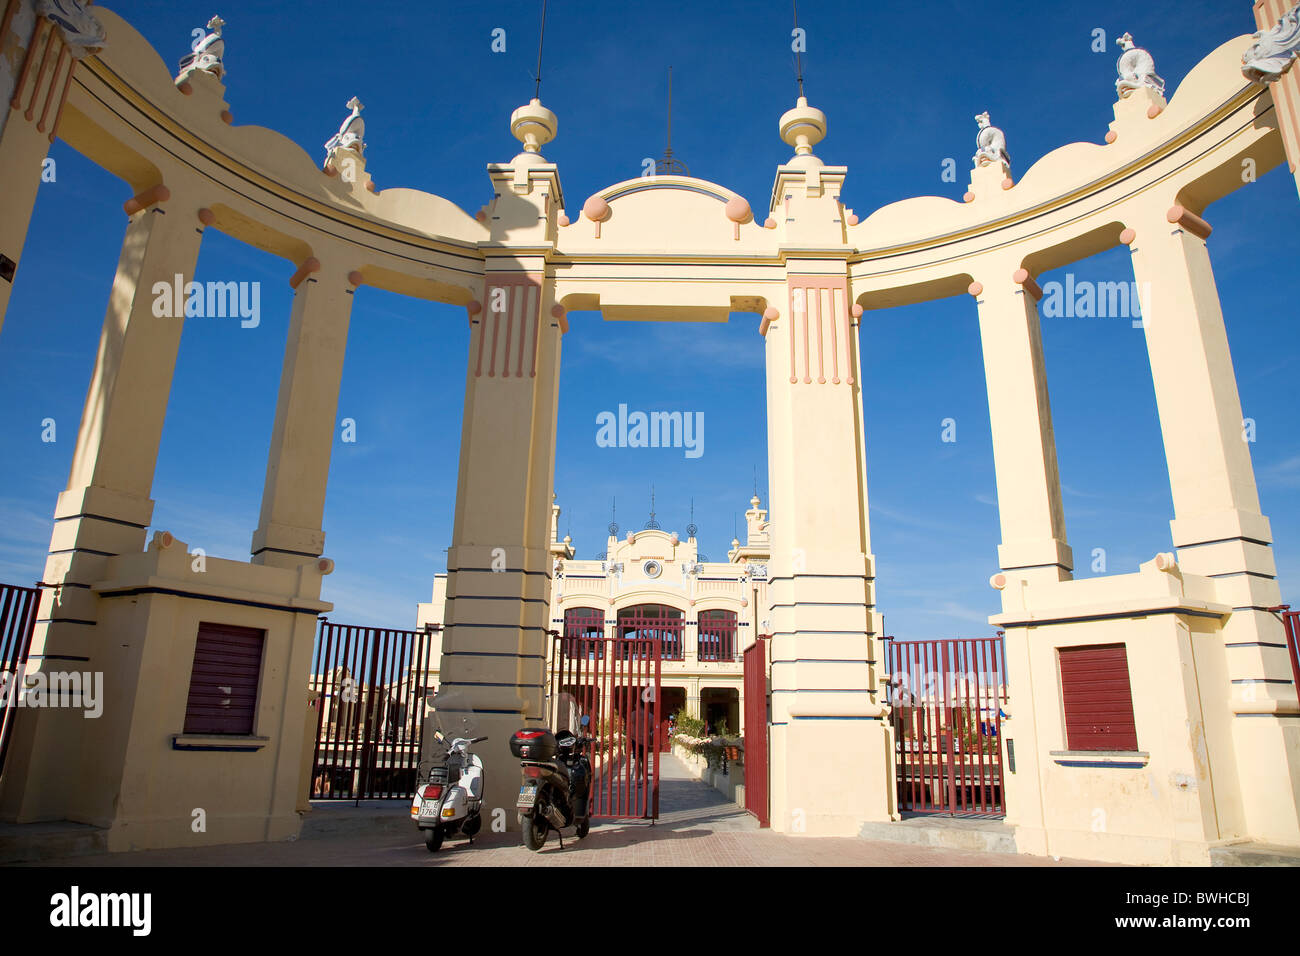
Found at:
(652, 569)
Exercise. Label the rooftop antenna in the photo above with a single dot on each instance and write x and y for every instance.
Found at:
(756, 481)
(540, 39)
(798, 60)
(668, 165)
(652, 524)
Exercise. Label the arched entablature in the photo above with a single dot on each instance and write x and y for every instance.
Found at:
(1077, 200)
(125, 113)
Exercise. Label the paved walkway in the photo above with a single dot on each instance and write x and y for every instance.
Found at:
(697, 827)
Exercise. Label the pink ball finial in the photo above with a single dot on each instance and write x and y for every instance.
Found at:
(596, 209)
(474, 307)
(557, 311)
(771, 313)
(738, 210)
(856, 310)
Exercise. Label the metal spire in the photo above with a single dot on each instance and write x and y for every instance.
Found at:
(613, 516)
(652, 524)
(798, 60)
(668, 165)
(537, 94)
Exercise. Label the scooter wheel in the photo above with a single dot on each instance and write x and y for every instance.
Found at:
(535, 832)
(433, 839)
(584, 827)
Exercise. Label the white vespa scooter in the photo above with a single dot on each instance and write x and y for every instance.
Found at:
(452, 799)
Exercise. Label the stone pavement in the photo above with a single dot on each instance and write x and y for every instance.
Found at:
(697, 827)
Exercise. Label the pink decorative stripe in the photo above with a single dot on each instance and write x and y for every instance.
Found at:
(821, 348)
(40, 75)
(512, 309)
(835, 348)
(794, 318)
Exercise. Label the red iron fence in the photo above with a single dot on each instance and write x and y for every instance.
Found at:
(18, 607)
(370, 712)
(756, 721)
(946, 697)
(615, 682)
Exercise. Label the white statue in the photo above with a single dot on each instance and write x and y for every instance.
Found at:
(351, 134)
(83, 34)
(208, 52)
(991, 142)
(1273, 50)
(1136, 68)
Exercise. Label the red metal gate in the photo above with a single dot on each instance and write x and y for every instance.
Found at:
(616, 682)
(1291, 619)
(946, 697)
(756, 720)
(372, 688)
(17, 623)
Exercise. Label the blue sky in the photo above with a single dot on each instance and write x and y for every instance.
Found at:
(900, 87)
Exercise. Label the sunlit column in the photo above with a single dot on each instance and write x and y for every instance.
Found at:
(107, 507)
(1034, 546)
(289, 531)
(499, 564)
(826, 683)
(1218, 529)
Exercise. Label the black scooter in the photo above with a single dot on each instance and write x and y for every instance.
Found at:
(556, 783)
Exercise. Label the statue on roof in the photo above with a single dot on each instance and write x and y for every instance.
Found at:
(1274, 50)
(351, 134)
(208, 52)
(1137, 69)
(83, 34)
(992, 143)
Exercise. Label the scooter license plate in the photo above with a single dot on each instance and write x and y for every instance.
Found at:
(527, 797)
(429, 810)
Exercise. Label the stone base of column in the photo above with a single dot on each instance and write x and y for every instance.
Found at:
(133, 768)
(282, 546)
(831, 773)
(1206, 770)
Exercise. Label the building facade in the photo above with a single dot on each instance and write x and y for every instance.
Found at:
(653, 583)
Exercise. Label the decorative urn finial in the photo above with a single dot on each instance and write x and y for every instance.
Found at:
(534, 126)
(803, 128)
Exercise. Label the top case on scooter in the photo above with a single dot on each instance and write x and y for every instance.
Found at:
(533, 744)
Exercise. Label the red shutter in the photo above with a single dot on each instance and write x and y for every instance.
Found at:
(1097, 697)
(223, 683)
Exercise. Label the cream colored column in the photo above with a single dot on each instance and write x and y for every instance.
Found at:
(31, 109)
(297, 468)
(1217, 528)
(826, 680)
(106, 507)
(499, 565)
(1033, 545)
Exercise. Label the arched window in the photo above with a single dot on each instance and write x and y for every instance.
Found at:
(584, 633)
(717, 629)
(659, 621)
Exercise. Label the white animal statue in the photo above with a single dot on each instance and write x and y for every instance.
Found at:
(351, 134)
(991, 142)
(83, 33)
(1137, 68)
(1273, 50)
(208, 52)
